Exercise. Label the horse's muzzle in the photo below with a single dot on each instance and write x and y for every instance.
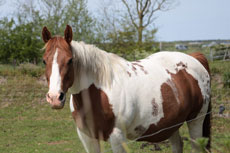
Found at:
(57, 101)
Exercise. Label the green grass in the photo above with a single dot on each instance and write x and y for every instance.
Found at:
(28, 124)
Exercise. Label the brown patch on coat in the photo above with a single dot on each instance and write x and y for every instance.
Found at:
(155, 108)
(141, 67)
(167, 71)
(100, 110)
(175, 113)
(145, 72)
(129, 73)
(173, 87)
(176, 69)
(134, 69)
(182, 65)
(137, 64)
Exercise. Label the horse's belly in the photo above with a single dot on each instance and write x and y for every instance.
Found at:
(160, 131)
(153, 135)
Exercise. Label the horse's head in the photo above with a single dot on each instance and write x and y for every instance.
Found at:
(58, 59)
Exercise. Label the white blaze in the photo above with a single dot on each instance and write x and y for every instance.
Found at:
(55, 78)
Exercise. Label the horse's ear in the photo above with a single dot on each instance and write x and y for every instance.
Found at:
(46, 35)
(68, 34)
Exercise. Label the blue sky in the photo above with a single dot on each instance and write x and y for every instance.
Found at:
(192, 20)
(189, 20)
(195, 20)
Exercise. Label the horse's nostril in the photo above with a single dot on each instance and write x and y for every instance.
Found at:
(61, 96)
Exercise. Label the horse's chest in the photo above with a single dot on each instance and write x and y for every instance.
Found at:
(93, 113)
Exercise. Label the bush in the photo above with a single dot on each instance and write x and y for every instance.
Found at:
(31, 70)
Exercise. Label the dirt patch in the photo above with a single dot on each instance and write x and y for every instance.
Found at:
(57, 142)
(4, 104)
(2, 80)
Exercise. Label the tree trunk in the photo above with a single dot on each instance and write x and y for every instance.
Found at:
(140, 30)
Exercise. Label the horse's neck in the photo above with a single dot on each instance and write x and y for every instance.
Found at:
(94, 66)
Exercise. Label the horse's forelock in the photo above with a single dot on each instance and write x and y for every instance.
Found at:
(57, 42)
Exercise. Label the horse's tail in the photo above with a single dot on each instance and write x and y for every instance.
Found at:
(207, 121)
(207, 126)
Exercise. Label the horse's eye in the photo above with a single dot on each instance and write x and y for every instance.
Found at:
(44, 62)
(70, 61)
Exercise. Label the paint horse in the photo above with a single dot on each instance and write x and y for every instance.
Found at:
(114, 99)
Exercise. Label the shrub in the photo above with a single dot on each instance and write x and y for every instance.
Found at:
(31, 70)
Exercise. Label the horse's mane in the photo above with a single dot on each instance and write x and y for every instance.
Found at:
(96, 62)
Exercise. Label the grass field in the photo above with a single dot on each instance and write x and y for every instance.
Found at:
(28, 124)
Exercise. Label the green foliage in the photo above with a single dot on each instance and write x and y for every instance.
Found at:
(202, 142)
(219, 66)
(81, 20)
(21, 40)
(6, 45)
(214, 70)
(124, 43)
(58, 13)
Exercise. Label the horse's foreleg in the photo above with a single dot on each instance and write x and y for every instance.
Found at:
(91, 145)
(117, 141)
(177, 143)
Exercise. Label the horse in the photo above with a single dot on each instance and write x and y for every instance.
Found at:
(116, 100)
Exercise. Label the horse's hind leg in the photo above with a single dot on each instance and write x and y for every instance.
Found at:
(116, 140)
(201, 126)
(195, 131)
(177, 143)
(91, 145)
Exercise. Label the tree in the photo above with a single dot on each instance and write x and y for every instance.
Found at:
(19, 43)
(78, 16)
(142, 12)
(6, 27)
(56, 14)
(20, 39)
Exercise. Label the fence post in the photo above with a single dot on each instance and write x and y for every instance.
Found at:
(211, 54)
(160, 45)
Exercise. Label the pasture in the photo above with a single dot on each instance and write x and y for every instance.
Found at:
(28, 124)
